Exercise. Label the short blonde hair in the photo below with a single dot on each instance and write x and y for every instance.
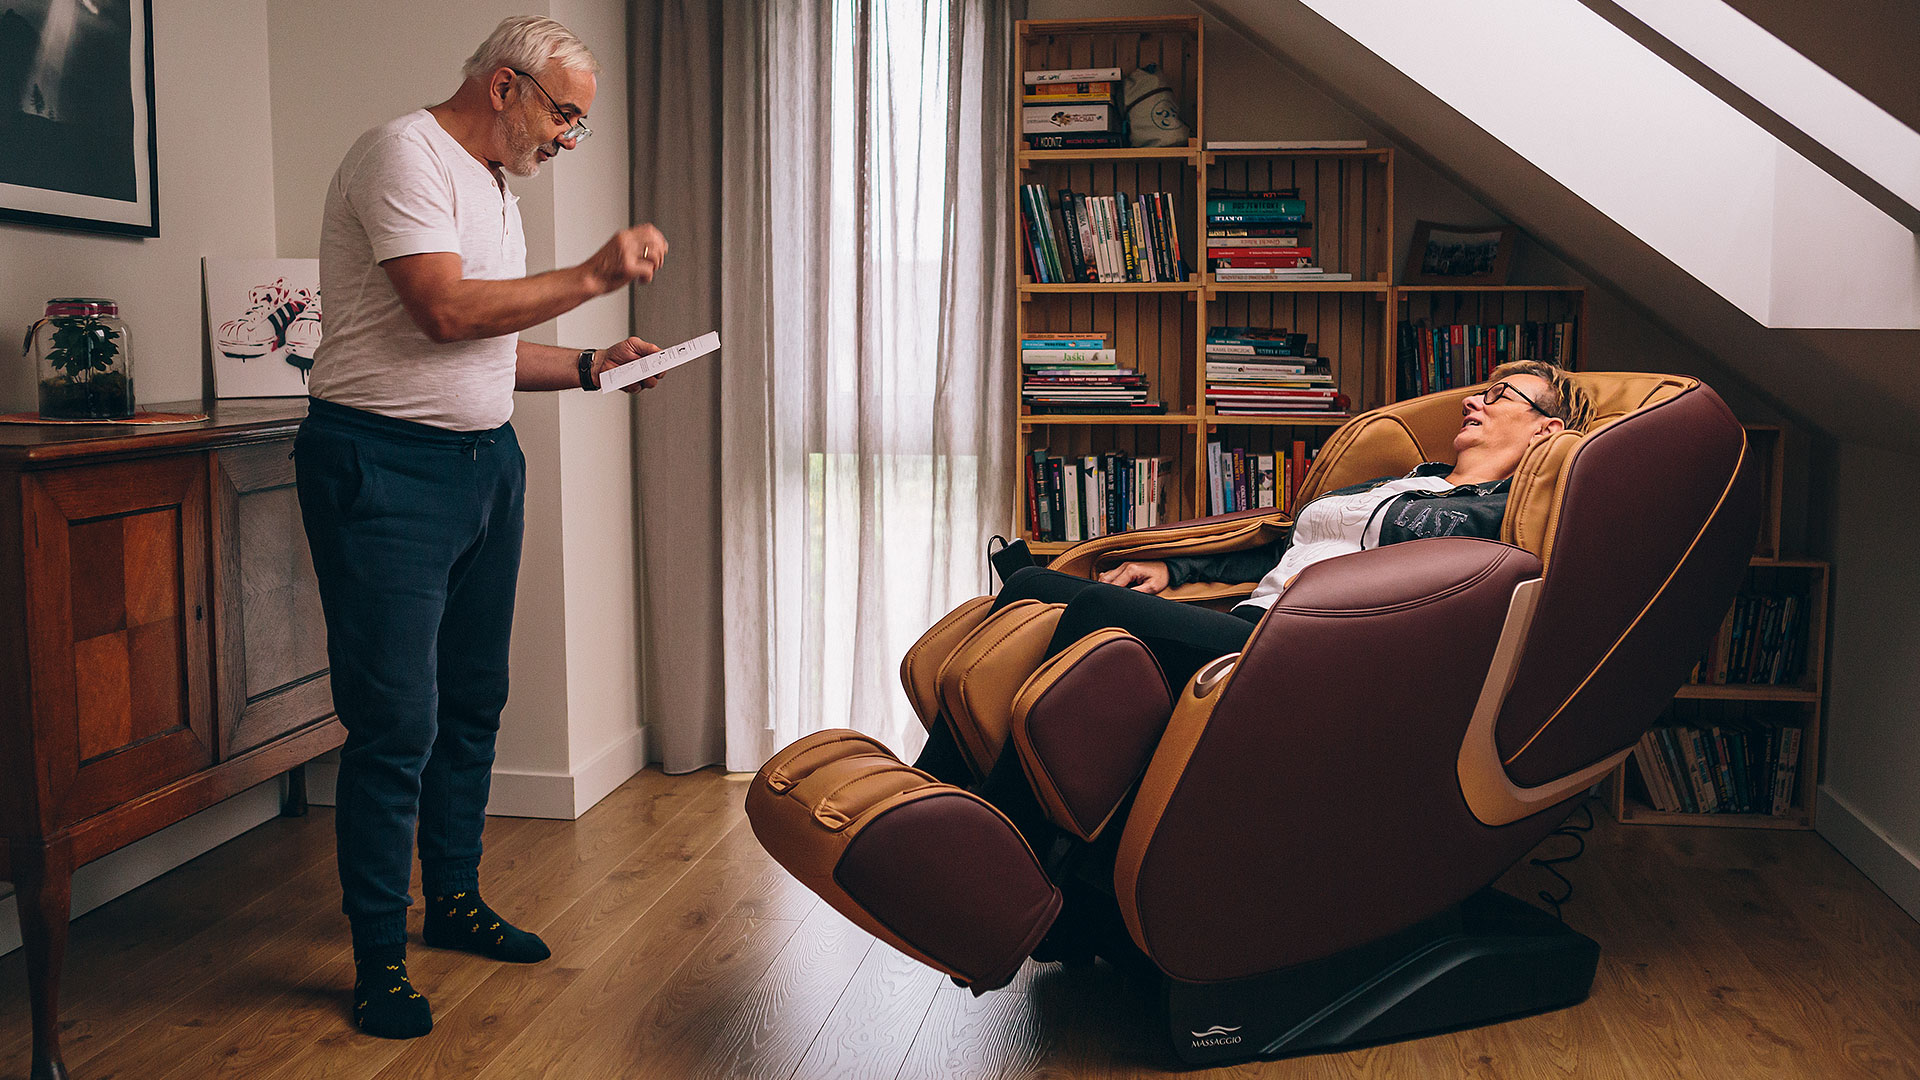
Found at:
(1566, 401)
(530, 43)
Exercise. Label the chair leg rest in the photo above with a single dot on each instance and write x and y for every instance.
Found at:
(1493, 958)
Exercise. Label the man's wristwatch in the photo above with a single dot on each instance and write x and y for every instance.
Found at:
(586, 370)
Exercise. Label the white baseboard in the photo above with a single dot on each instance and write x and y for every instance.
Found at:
(559, 796)
(1885, 862)
(113, 875)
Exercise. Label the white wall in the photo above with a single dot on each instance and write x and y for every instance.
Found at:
(1870, 803)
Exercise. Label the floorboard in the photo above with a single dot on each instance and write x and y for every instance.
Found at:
(682, 951)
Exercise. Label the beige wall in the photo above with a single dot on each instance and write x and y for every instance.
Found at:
(1870, 803)
(215, 189)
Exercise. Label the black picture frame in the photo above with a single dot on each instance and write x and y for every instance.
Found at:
(77, 122)
(1459, 254)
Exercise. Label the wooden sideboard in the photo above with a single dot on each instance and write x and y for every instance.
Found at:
(161, 647)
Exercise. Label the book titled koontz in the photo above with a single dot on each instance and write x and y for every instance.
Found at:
(1073, 75)
(1040, 119)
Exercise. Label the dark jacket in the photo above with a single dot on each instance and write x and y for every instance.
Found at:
(1467, 510)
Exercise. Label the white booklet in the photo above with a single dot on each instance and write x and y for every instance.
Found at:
(618, 378)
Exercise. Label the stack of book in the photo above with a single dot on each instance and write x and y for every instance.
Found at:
(1266, 371)
(1740, 767)
(1080, 498)
(1446, 355)
(1261, 236)
(1101, 238)
(1762, 642)
(1072, 108)
(1239, 479)
(1077, 373)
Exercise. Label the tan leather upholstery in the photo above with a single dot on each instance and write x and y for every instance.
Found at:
(920, 668)
(1215, 535)
(986, 669)
(891, 848)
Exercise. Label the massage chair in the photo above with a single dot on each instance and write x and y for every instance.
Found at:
(1298, 845)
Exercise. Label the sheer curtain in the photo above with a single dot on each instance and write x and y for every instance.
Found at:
(866, 300)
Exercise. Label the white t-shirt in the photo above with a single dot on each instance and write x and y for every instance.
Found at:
(408, 187)
(1335, 525)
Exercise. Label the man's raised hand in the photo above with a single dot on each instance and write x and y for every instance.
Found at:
(632, 254)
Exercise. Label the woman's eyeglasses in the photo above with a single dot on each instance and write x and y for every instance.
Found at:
(1502, 388)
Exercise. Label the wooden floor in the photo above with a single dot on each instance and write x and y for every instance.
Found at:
(681, 951)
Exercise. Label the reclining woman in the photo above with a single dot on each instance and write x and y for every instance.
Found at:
(1526, 401)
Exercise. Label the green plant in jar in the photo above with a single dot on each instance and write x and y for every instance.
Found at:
(85, 374)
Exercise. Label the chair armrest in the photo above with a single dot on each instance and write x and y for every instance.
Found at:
(1315, 782)
(1215, 535)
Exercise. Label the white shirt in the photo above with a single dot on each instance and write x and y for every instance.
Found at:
(1335, 525)
(407, 187)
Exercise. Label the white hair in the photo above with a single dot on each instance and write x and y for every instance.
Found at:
(530, 43)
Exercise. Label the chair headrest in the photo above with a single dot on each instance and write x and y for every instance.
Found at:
(1392, 439)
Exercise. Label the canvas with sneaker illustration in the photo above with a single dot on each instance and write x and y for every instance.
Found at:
(263, 322)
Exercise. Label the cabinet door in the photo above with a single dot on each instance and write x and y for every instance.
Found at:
(117, 606)
(272, 641)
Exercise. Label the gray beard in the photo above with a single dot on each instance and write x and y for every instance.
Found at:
(522, 158)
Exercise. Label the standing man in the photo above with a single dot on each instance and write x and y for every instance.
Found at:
(411, 482)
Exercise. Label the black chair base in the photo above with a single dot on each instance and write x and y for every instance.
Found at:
(1493, 958)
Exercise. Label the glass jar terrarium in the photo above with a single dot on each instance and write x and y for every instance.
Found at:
(84, 359)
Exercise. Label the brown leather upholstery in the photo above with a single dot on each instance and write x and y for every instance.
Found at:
(1310, 804)
(924, 866)
(979, 680)
(1085, 725)
(1639, 564)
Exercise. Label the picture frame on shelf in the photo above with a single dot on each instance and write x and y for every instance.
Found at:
(78, 118)
(1441, 254)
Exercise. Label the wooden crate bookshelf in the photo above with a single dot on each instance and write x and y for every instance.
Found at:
(1349, 201)
(1489, 305)
(1798, 703)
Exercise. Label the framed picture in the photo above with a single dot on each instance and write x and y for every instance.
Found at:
(263, 319)
(76, 115)
(1459, 254)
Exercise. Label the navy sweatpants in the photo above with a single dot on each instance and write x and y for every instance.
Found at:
(415, 533)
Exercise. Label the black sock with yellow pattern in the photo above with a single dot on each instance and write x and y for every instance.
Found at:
(384, 1002)
(462, 920)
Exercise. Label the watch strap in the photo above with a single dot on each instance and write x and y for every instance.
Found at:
(586, 370)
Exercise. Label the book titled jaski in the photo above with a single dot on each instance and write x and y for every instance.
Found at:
(1076, 498)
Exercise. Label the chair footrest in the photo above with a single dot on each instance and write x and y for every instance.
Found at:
(929, 868)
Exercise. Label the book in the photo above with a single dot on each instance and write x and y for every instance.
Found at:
(1077, 140)
(1050, 89)
(1075, 341)
(1046, 119)
(1257, 205)
(1071, 75)
(1288, 244)
(1082, 97)
(1254, 218)
(1215, 232)
(1286, 144)
(652, 364)
(1067, 357)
